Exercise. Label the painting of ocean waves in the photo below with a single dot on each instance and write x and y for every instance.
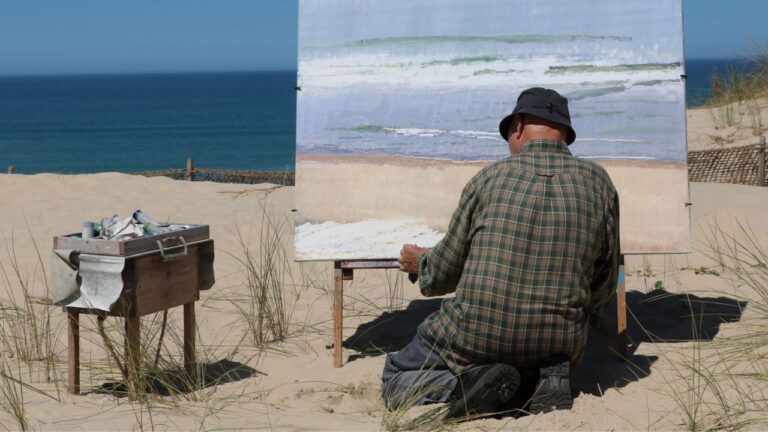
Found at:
(416, 89)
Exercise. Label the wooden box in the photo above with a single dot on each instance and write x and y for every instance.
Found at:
(164, 271)
(152, 284)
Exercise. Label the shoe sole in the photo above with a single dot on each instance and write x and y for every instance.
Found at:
(491, 391)
(554, 390)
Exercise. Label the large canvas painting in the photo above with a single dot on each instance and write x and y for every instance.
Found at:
(399, 103)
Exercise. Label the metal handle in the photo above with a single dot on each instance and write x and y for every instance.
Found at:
(172, 257)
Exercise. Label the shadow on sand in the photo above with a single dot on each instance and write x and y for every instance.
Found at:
(176, 381)
(655, 317)
(390, 331)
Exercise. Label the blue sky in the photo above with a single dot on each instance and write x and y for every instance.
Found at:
(108, 36)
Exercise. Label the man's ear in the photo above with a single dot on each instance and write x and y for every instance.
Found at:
(519, 125)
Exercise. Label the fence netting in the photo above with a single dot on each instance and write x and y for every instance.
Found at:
(739, 165)
(285, 178)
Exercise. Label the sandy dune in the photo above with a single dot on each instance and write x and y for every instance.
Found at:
(727, 126)
(292, 385)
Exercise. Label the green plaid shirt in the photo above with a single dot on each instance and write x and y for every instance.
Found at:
(531, 252)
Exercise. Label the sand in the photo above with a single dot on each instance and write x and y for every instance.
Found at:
(709, 130)
(292, 385)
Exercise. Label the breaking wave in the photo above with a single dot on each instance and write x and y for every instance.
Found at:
(588, 68)
(418, 132)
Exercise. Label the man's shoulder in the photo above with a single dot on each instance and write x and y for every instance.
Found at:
(495, 166)
(492, 171)
(512, 166)
(568, 162)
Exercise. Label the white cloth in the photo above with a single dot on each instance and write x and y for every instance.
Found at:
(85, 280)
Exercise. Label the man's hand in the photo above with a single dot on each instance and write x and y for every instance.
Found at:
(409, 258)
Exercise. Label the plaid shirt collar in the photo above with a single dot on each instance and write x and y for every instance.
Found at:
(545, 146)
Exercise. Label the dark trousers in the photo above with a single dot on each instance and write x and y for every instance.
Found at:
(416, 375)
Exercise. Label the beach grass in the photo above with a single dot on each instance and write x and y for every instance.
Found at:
(272, 284)
(26, 329)
(12, 393)
(407, 416)
(737, 93)
(723, 384)
(164, 390)
(28, 340)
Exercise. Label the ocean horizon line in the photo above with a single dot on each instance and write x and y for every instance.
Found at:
(294, 69)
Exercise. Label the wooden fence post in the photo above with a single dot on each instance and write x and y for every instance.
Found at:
(761, 162)
(190, 170)
(11, 169)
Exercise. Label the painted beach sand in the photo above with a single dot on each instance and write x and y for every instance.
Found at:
(399, 106)
(376, 225)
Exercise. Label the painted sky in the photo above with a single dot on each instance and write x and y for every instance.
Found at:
(521, 18)
(97, 36)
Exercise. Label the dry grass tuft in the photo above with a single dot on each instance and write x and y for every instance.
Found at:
(272, 284)
(25, 323)
(723, 385)
(407, 416)
(737, 94)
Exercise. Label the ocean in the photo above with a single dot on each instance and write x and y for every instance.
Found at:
(699, 72)
(130, 123)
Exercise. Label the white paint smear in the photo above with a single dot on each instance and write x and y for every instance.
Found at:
(371, 239)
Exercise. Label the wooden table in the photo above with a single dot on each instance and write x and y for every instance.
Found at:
(151, 283)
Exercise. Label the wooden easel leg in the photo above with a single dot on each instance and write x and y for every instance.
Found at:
(189, 341)
(133, 355)
(338, 313)
(73, 352)
(621, 313)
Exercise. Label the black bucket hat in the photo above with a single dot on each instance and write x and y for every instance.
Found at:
(541, 102)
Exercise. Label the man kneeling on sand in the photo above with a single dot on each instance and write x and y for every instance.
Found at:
(532, 255)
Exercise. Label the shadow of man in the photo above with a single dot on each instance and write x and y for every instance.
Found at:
(658, 317)
(654, 317)
(390, 331)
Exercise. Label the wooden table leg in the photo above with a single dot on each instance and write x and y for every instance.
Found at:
(621, 314)
(73, 351)
(189, 341)
(338, 313)
(133, 355)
